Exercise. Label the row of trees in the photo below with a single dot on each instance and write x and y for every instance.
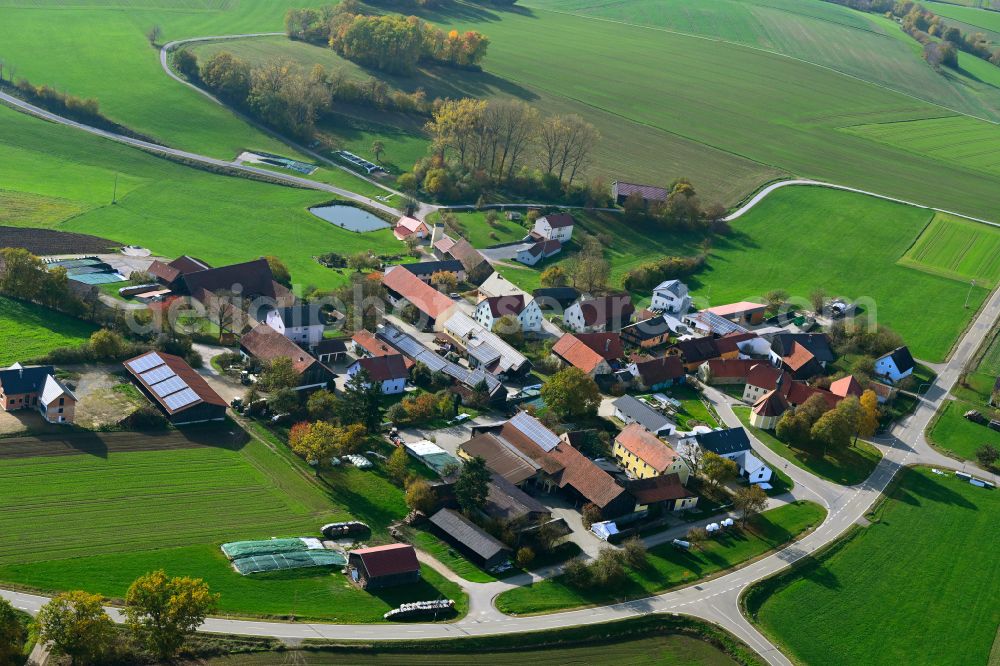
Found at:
(25, 276)
(391, 43)
(814, 426)
(80, 108)
(422, 407)
(160, 613)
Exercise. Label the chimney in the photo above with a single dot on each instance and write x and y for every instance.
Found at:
(607, 345)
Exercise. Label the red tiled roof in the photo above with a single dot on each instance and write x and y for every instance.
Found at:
(735, 308)
(575, 352)
(763, 375)
(798, 358)
(367, 341)
(422, 296)
(395, 558)
(384, 368)
(729, 343)
(559, 220)
(501, 306)
(656, 370)
(266, 344)
(468, 255)
(847, 386)
(444, 244)
(647, 447)
(163, 271)
(408, 225)
(608, 345)
(659, 489)
(730, 367)
(607, 309)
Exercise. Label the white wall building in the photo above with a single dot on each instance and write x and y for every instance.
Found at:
(671, 296)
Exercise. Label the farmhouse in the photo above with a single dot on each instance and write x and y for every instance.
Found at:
(896, 365)
(470, 539)
(537, 251)
(650, 333)
(620, 191)
(558, 226)
(383, 566)
(732, 443)
(593, 353)
(629, 410)
(174, 386)
(404, 287)
(426, 269)
(486, 349)
(562, 466)
(718, 371)
(248, 280)
(811, 350)
(410, 227)
(744, 312)
(364, 343)
(266, 345)
(644, 455)
(710, 323)
(477, 268)
(762, 378)
(523, 309)
(302, 324)
(36, 387)
(501, 457)
(665, 492)
(653, 374)
(498, 285)
(671, 296)
(388, 372)
(604, 313)
(170, 274)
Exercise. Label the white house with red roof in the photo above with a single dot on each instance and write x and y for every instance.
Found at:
(521, 307)
(411, 227)
(558, 226)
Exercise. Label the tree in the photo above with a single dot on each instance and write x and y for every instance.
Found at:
(397, 467)
(832, 430)
(849, 410)
(162, 612)
(279, 270)
(154, 33)
(776, 299)
(591, 514)
(567, 143)
(571, 393)
(420, 496)
(321, 405)
(378, 148)
(525, 556)
(361, 261)
(717, 469)
(105, 344)
(362, 402)
(75, 625)
(554, 276)
(12, 634)
(608, 570)
(472, 485)
(636, 555)
(186, 63)
(693, 456)
(696, 536)
(508, 327)
(818, 299)
(444, 281)
(279, 374)
(869, 417)
(988, 455)
(284, 401)
(750, 501)
(227, 76)
(793, 429)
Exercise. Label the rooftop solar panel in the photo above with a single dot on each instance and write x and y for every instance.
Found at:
(535, 431)
(157, 374)
(144, 363)
(168, 386)
(181, 399)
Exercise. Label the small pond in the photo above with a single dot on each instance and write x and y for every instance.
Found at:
(349, 217)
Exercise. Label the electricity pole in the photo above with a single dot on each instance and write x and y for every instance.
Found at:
(114, 196)
(969, 295)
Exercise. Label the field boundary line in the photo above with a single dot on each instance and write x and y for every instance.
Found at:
(770, 52)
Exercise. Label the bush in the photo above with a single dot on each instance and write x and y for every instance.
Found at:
(146, 417)
(525, 556)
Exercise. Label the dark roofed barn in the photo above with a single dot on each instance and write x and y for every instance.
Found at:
(470, 539)
(383, 566)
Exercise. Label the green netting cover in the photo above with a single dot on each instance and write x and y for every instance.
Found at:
(238, 549)
(291, 560)
(98, 278)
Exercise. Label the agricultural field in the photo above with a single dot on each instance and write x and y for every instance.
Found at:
(670, 567)
(954, 140)
(134, 511)
(29, 331)
(174, 209)
(969, 18)
(959, 249)
(943, 606)
(32, 210)
(798, 239)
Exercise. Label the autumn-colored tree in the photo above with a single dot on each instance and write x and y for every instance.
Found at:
(554, 276)
(105, 344)
(161, 612)
(378, 148)
(227, 76)
(279, 270)
(750, 501)
(456, 127)
(420, 496)
(322, 405)
(868, 422)
(591, 514)
(12, 634)
(444, 281)
(74, 624)
(322, 440)
(397, 467)
(508, 327)
(717, 469)
(525, 556)
(571, 393)
(567, 143)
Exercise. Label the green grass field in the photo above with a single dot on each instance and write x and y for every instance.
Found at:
(847, 468)
(801, 238)
(669, 567)
(170, 208)
(97, 523)
(958, 249)
(957, 435)
(920, 585)
(29, 331)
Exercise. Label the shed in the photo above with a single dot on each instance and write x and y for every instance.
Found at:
(470, 539)
(383, 566)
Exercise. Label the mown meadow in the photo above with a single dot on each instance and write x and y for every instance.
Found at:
(29, 331)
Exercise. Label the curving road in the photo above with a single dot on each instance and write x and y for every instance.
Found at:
(715, 600)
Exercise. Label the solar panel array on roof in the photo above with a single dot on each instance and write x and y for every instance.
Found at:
(412, 348)
(145, 363)
(168, 386)
(718, 325)
(157, 374)
(484, 345)
(181, 398)
(535, 431)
